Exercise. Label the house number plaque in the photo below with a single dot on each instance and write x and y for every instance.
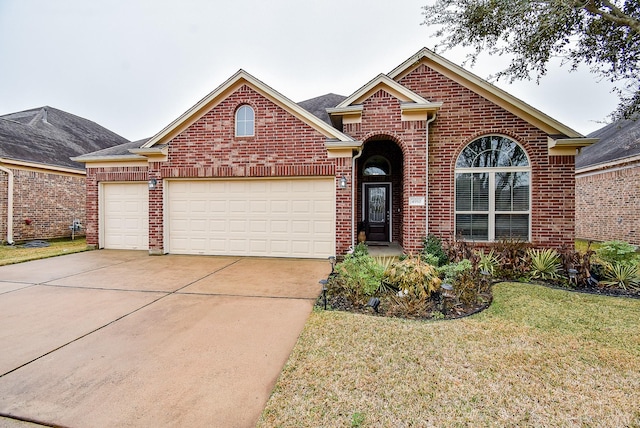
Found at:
(416, 201)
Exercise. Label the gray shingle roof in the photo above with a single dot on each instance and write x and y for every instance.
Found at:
(50, 136)
(317, 105)
(618, 140)
(119, 150)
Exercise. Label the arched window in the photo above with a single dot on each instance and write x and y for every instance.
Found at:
(376, 165)
(245, 121)
(493, 190)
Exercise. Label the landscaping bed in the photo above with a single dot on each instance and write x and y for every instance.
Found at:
(453, 280)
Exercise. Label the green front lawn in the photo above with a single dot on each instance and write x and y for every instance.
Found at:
(10, 254)
(536, 357)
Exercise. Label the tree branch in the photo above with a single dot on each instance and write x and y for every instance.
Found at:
(616, 15)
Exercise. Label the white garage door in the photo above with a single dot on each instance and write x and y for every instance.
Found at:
(272, 217)
(125, 216)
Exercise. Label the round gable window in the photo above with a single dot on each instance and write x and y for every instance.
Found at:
(376, 165)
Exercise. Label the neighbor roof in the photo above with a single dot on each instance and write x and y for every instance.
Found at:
(49, 136)
(618, 140)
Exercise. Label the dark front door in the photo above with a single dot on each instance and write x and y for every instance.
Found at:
(377, 211)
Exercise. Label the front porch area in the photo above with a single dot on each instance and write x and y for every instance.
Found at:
(384, 249)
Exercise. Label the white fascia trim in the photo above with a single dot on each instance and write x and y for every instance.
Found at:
(336, 144)
(112, 158)
(421, 107)
(42, 166)
(239, 78)
(609, 166)
(157, 153)
(382, 79)
(571, 142)
(354, 109)
(479, 85)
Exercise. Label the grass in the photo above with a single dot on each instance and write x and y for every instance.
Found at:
(536, 357)
(582, 245)
(17, 254)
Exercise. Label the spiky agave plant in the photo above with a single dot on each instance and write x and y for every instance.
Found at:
(545, 263)
(621, 275)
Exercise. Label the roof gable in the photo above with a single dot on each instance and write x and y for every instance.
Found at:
(385, 83)
(485, 89)
(412, 105)
(223, 91)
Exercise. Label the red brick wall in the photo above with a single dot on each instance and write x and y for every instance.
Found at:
(607, 204)
(465, 116)
(44, 204)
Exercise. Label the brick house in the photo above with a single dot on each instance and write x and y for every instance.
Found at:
(427, 148)
(42, 191)
(608, 185)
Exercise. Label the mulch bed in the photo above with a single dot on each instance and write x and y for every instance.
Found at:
(340, 303)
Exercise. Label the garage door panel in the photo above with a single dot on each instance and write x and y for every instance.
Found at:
(125, 216)
(255, 217)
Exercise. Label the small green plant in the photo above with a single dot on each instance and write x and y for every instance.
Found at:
(360, 250)
(488, 262)
(414, 278)
(432, 246)
(452, 272)
(621, 275)
(357, 419)
(617, 252)
(358, 276)
(545, 263)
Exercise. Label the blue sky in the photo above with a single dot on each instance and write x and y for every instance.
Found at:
(135, 65)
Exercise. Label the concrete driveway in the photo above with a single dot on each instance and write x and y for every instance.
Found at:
(120, 338)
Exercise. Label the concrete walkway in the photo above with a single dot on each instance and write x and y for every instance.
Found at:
(118, 338)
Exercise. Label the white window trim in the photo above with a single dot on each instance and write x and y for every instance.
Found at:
(491, 213)
(237, 121)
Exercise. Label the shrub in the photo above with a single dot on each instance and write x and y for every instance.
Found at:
(360, 250)
(621, 275)
(432, 245)
(617, 252)
(514, 262)
(452, 272)
(579, 260)
(413, 278)
(545, 263)
(458, 249)
(358, 276)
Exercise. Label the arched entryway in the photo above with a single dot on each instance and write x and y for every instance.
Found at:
(380, 189)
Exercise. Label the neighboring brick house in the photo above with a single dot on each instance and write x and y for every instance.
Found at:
(42, 191)
(427, 148)
(608, 185)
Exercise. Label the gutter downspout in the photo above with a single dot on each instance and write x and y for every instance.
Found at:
(426, 175)
(353, 193)
(9, 204)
